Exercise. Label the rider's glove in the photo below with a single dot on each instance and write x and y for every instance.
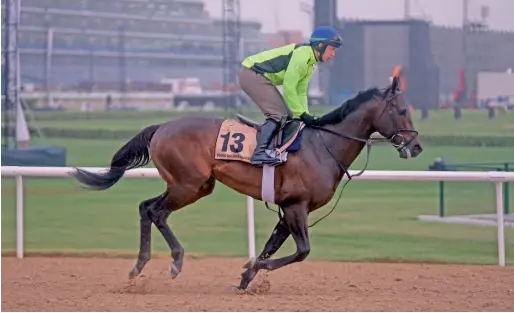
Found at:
(309, 119)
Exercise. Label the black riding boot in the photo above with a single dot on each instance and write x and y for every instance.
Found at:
(264, 137)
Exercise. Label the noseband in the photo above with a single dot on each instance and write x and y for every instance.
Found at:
(398, 132)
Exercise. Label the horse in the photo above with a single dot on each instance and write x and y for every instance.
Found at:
(182, 150)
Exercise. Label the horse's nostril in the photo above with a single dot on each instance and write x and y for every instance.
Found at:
(417, 148)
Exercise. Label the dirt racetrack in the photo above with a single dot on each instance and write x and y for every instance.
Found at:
(95, 284)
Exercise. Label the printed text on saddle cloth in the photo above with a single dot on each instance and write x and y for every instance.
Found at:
(237, 141)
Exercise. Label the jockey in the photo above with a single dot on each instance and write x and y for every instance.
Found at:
(290, 66)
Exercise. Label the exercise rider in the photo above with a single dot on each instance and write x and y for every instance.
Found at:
(290, 66)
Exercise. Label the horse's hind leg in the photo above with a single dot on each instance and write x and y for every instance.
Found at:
(145, 223)
(176, 197)
(159, 215)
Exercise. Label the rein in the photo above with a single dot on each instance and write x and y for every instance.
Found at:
(368, 143)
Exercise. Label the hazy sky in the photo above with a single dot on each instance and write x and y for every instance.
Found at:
(287, 14)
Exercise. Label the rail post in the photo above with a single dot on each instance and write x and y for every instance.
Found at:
(19, 216)
(500, 226)
(506, 192)
(251, 226)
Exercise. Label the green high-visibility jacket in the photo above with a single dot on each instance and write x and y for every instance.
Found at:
(290, 66)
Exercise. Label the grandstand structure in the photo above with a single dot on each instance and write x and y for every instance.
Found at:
(122, 45)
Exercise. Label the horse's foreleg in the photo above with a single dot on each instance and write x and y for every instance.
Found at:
(295, 218)
(145, 223)
(277, 238)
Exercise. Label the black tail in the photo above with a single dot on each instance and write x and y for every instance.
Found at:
(132, 155)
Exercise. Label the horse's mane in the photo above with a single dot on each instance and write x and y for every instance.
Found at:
(351, 105)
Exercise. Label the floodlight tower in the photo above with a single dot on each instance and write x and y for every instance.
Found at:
(231, 49)
(11, 105)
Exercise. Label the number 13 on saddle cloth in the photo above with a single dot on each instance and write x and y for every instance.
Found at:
(237, 140)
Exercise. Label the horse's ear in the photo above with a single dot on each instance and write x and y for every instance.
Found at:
(394, 84)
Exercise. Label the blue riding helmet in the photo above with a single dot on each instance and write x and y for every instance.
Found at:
(326, 35)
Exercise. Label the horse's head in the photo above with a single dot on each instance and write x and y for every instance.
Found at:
(394, 122)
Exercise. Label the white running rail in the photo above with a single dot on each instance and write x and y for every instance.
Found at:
(492, 177)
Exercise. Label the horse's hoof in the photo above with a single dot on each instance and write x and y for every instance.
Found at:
(238, 290)
(174, 271)
(133, 273)
(250, 263)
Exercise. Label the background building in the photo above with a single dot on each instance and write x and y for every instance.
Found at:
(431, 55)
(86, 43)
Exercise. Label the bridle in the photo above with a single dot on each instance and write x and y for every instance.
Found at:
(398, 132)
(393, 139)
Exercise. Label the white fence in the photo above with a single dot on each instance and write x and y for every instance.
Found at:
(493, 177)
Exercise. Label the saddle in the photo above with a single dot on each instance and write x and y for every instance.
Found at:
(237, 139)
(285, 136)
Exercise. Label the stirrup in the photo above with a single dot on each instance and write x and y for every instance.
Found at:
(270, 163)
(267, 159)
(275, 157)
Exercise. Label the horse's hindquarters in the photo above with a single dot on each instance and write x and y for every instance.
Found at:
(182, 149)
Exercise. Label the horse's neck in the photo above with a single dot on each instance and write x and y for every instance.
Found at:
(345, 149)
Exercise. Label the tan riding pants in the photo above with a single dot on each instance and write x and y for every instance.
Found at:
(264, 94)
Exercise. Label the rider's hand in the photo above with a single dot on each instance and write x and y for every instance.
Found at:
(309, 119)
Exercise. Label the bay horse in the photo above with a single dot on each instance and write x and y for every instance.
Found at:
(182, 150)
